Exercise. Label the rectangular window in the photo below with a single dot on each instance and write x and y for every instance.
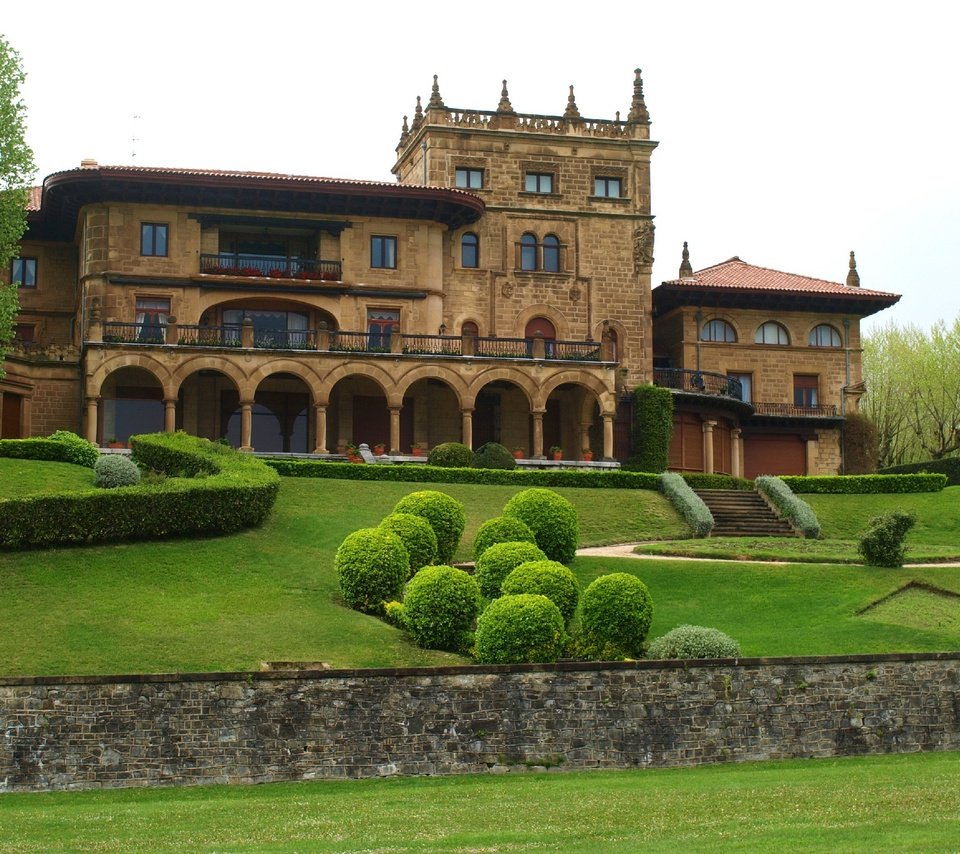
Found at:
(805, 390)
(152, 317)
(607, 188)
(153, 239)
(383, 252)
(23, 332)
(538, 182)
(23, 271)
(381, 324)
(469, 179)
(746, 386)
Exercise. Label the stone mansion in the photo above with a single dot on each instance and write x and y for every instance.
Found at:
(499, 290)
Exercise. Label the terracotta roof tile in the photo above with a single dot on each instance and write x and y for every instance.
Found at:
(736, 274)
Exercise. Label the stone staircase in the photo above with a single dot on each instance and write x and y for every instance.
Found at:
(743, 514)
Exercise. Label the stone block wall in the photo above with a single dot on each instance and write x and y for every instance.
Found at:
(92, 732)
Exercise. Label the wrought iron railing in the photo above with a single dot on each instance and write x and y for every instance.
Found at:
(115, 332)
(208, 336)
(269, 266)
(433, 345)
(285, 339)
(789, 410)
(505, 348)
(359, 342)
(580, 351)
(698, 382)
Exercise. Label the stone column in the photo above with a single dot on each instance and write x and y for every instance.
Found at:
(170, 415)
(735, 451)
(172, 335)
(813, 445)
(395, 429)
(246, 333)
(26, 416)
(246, 424)
(539, 346)
(583, 437)
(538, 433)
(607, 436)
(320, 415)
(708, 446)
(92, 419)
(467, 417)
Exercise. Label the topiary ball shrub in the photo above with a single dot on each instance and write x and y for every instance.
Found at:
(550, 579)
(498, 561)
(515, 629)
(450, 455)
(693, 642)
(80, 451)
(113, 470)
(552, 519)
(417, 537)
(882, 544)
(445, 515)
(493, 455)
(615, 614)
(372, 565)
(439, 607)
(502, 529)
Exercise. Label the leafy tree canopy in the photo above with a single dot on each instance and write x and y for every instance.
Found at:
(16, 173)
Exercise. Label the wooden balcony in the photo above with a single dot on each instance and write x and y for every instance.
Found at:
(270, 266)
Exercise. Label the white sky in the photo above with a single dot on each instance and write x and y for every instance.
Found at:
(789, 133)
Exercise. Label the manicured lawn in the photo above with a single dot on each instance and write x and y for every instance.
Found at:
(266, 594)
(20, 478)
(882, 803)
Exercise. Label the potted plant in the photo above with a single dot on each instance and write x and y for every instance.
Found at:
(417, 449)
(518, 453)
(114, 442)
(587, 455)
(380, 448)
(351, 451)
(557, 452)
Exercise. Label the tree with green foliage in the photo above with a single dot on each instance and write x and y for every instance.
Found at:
(652, 428)
(16, 173)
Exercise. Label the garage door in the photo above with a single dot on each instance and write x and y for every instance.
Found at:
(774, 454)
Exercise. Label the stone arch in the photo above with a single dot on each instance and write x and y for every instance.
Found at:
(603, 394)
(554, 315)
(619, 330)
(494, 374)
(287, 302)
(458, 321)
(185, 369)
(423, 372)
(371, 371)
(145, 361)
(300, 369)
(706, 318)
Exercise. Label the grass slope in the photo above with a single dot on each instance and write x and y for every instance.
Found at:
(890, 803)
(21, 478)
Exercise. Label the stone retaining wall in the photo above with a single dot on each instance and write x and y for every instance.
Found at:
(90, 732)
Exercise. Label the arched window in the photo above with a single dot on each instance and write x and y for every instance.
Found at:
(824, 335)
(470, 328)
(718, 330)
(469, 250)
(540, 326)
(771, 332)
(551, 253)
(528, 252)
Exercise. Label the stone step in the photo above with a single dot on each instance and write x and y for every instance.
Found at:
(743, 514)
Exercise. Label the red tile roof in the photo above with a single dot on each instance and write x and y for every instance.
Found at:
(739, 275)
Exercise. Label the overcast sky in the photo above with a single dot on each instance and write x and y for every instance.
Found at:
(789, 133)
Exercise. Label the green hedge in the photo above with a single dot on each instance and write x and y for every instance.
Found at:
(697, 480)
(223, 491)
(866, 484)
(687, 503)
(795, 510)
(57, 449)
(652, 428)
(950, 466)
(418, 473)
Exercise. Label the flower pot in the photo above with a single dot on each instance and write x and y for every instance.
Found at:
(588, 456)
(417, 452)
(518, 454)
(379, 450)
(557, 456)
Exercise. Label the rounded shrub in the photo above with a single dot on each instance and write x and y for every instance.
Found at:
(615, 614)
(502, 529)
(493, 455)
(552, 519)
(450, 455)
(548, 578)
(882, 544)
(445, 515)
(417, 537)
(113, 470)
(439, 607)
(372, 565)
(79, 451)
(694, 642)
(515, 629)
(498, 561)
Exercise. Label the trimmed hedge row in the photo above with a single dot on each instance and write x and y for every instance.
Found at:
(793, 509)
(697, 480)
(687, 503)
(61, 447)
(950, 466)
(435, 474)
(224, 491)
(866, 484)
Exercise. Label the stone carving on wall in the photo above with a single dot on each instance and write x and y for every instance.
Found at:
(643, 246)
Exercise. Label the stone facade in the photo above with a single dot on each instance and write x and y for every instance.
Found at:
(89, 732)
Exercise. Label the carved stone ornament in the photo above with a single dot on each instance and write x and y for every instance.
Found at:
(506, 290)
(574, 294)
(643, 246)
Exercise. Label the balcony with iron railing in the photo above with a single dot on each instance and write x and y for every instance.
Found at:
(359, 344)
(270, 267)
(790, 410)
